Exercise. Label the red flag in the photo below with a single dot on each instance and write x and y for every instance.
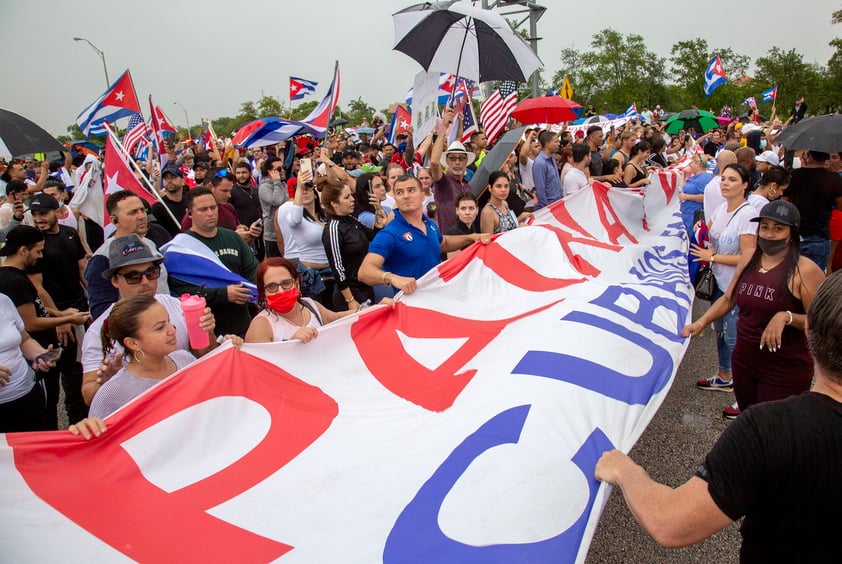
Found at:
(118, 174)
(156, 122)
(166, 122)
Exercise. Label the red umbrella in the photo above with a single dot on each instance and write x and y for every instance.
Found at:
(547, 109)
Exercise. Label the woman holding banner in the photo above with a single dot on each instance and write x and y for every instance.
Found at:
(773, 289)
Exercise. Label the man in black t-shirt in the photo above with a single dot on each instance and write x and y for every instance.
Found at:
(173, 182)
(61, 272)
(24, 248)
(778, 465)
(815, 191)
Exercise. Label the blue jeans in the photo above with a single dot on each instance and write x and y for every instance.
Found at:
(816, 249)
(726, 334)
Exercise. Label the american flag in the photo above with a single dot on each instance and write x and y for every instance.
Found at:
(469, 122)
(496, 109)
(136, 132)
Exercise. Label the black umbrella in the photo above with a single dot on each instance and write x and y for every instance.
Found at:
(818, 133)
(461, 39)
(495, 158)
(19, 136)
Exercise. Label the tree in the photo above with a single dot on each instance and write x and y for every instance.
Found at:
(788, 71)
(617, 71)
(268, 106)
(301, 111)
(689, 60)
(359, 111)
(248, 112)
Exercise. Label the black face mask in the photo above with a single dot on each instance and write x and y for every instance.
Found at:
(771, 247)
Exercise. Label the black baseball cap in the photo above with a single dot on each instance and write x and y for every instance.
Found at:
(780, 211)
(43, 202)
(20, 236)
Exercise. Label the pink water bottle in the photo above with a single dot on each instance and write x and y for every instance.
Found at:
(193, 308)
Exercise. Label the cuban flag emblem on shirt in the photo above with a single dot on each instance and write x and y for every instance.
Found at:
(407, 236)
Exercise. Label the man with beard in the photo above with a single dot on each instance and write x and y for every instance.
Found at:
(24, 248)
(246, 200)
(173, 181)
(60, 274)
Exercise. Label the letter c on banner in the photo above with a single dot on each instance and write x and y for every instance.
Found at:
(417, 537)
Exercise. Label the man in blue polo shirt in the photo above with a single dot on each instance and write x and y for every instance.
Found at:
(411, 244)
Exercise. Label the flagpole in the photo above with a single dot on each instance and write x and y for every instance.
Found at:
(140, 172)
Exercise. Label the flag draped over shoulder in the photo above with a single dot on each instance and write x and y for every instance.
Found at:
(510, 370)
(119, 101)
(190, 260)
(495, 110)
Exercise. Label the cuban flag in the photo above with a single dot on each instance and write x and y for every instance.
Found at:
(631, 111)
(401, 120)
(300, 87)
(509, 372)
(321, 115)
(751, 102)
(158, 124)
(714, 76)
(770, 95)
(190, 260)
(119, 101)
(446, 84)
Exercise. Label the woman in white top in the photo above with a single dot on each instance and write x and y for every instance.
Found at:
(141, 326)
(305, 221)
(771, 187)
(731, 235)
(22, 399)
(285, 315)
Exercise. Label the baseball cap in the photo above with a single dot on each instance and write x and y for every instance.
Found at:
(172, 169)
(768, 157)
(43, 202)
(127, 251)
(780, 211)
(20, 236)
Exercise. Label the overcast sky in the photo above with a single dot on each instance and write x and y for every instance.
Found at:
(211, 55)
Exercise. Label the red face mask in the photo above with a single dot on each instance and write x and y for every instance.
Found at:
(283, 302)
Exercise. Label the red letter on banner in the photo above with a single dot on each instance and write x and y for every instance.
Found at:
(104, 492)
(376, 338)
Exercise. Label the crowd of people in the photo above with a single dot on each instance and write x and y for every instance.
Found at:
(322, 230)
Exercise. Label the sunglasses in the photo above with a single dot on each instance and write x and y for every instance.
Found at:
(223, 173)
(273, 287)
(152, 273)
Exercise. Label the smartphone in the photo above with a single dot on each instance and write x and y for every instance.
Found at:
(49, 356)
(370, 189)
(306, 164)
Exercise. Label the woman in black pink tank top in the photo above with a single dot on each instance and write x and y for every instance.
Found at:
(773, 289)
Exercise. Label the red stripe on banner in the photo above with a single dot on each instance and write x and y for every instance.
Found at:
(508, 267)
(114, 501)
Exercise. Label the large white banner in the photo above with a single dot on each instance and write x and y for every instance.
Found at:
(462, 425)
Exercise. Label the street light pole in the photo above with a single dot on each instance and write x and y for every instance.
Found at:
(101, 56)
(186, 118)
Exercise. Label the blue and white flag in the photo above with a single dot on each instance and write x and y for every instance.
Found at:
(190, 260)
(631, 111)
(714, 76)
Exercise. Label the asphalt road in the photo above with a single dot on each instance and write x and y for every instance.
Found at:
(679, 436)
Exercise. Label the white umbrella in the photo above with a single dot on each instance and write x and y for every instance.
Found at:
(457, 38)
